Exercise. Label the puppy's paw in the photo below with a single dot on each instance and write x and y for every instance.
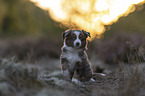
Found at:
(76, 81)
(66, 75)
(92, 79)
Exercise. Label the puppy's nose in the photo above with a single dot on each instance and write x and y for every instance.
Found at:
(77, 44)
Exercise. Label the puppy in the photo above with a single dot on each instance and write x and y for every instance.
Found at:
(74, 58)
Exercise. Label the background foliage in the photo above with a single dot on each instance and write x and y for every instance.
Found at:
(22, 17)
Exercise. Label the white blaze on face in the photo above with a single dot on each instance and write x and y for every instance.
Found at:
(77, 42)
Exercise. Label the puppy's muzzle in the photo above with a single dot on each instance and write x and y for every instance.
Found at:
(77, 44)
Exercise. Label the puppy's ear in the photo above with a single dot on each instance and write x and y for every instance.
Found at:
(65, 34)
(87, 33)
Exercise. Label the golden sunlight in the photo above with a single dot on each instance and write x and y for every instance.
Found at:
(90, 15)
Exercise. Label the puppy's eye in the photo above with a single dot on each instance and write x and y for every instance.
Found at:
(81, 36)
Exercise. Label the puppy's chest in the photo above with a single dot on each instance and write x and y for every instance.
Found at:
(72, 57)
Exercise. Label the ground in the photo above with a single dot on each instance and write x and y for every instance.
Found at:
(44, 78)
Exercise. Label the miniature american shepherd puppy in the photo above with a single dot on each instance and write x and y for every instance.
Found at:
(74, 60)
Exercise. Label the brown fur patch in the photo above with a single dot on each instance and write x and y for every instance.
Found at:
(70, 39)
(83, 37)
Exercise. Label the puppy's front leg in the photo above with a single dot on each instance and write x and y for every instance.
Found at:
(71, 72)
(64, 64)
(72, 69)
(67, 70)
(68, 73)
(64, 67)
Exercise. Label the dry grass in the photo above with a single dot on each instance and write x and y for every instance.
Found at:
(30, 49)
(17, 79)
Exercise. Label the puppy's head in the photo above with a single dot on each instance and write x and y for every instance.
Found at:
(76, 38)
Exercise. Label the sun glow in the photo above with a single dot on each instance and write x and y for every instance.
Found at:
(90, 15)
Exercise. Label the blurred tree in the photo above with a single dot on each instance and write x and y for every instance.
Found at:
(22, 17)
(3, 11)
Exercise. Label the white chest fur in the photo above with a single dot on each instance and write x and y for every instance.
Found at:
(73, 57)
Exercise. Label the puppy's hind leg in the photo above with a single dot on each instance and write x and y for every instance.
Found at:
(84, 72)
